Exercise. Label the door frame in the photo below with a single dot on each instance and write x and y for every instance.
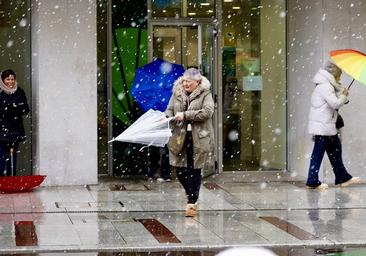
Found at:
(171, 22)
(199, 22)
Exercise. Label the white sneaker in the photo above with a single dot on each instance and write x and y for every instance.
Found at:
(163, 180)
(321, 187)
(150, 180)
(353, 180)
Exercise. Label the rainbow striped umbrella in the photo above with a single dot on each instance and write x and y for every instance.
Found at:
(352, 62)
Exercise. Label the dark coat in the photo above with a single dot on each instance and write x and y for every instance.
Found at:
(12, 108)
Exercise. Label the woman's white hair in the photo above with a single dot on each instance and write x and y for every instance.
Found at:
(193, 73)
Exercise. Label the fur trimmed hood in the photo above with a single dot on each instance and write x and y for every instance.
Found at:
(326, 99)
(178, 89)
(323, 76)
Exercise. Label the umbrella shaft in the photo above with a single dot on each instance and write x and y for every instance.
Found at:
(349, 86)
(12, 161)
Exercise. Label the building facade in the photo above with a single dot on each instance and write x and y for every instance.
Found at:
(76, 60)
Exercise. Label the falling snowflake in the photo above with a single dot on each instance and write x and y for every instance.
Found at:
(263, 185)
(23, 23)
(278, 131)
(10, 43)
(233, 135)
(166, 67)
(121, 96)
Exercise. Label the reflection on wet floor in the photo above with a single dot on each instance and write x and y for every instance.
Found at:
(117, 217)
(289, 228)
(279, 251)
(159, 231)
(25, 233)
(321, 251)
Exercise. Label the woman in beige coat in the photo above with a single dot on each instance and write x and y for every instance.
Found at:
(192, 107)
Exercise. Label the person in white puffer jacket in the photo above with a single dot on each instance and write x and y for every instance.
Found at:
(328, 96)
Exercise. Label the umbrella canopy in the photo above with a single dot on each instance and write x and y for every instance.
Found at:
(352, 62)
(153, 83)
(151, 129)
(13, 184)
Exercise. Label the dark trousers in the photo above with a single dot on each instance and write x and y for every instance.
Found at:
(6, 163)
(165, 166)
(189, 177)
(332, 145)
(154, 157)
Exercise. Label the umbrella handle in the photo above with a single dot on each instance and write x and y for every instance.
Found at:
(169, 119)
(12, 161)
(349, 86)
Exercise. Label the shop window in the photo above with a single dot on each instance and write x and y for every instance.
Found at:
(183, 8)
(15, 54)
(129, 52)
(254, 85)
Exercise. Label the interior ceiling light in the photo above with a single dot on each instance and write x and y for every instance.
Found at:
(191, 13)
(210, 11)
(205, 4)
(236, 7)
(228, 1)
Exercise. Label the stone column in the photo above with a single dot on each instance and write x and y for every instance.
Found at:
(64, 81)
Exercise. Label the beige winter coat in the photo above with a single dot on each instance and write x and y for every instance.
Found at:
(199, 114)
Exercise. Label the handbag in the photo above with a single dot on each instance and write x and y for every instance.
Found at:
(179, 132)
(176, 141)
(339, 122)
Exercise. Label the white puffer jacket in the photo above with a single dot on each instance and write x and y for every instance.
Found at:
(327, 97)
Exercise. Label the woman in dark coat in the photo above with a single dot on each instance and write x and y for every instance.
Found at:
(13, 105)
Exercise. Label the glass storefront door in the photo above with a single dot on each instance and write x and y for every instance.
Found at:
(254, 85)
(245, 62)
(190, 46)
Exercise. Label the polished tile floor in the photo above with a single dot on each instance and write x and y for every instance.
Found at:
(268, 209)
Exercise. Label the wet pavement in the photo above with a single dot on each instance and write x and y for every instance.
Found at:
(136, 217)
(279, 252)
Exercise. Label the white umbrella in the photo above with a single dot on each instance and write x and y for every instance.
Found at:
(152, 129)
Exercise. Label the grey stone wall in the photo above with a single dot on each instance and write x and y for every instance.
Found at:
(314, 29)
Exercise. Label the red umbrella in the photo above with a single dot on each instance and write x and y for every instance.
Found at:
(13, 184)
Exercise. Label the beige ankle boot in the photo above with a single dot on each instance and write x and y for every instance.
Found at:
(191, 210)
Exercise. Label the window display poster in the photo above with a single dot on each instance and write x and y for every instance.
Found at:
(252, 83)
